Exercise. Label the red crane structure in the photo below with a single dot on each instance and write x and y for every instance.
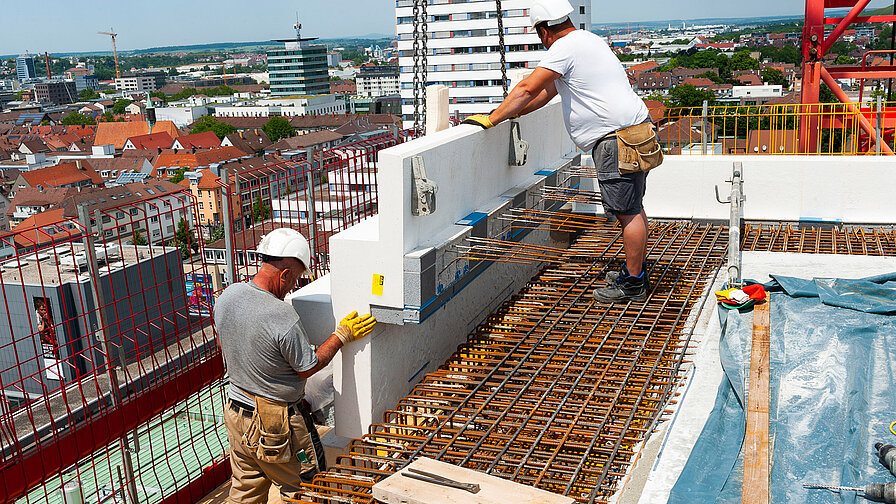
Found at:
(815, 45)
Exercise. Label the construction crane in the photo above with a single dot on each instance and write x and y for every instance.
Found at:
(112, 34)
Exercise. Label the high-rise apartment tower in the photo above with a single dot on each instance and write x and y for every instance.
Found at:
(462, 48)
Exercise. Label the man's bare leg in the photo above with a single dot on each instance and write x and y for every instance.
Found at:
(634, 240)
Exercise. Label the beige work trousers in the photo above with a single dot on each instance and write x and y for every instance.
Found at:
(252, 478)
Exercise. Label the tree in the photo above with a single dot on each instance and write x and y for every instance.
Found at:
(210, 123)
(185, 239)
(277, 128)
(77, 118)
(19, 95)
(88, 94)
(774, 76)
(107, 116)
(120, 105)
(687, 95)
(843, 59)
(743, 61)
(260, 211)
(139, 239)
(178, 176)
(215, 235)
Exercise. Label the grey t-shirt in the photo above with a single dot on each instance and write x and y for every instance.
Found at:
(264, 344)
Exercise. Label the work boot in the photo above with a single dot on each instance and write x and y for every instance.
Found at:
(624, 288)
(611, 276)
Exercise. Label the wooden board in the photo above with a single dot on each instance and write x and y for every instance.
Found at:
(397, 489)
(756, 455)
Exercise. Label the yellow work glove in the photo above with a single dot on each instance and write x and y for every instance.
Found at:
(479, 120)
(354, 327)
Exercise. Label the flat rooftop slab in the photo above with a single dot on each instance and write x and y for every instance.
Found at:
(663, 457)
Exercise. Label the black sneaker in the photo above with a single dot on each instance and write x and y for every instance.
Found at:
(624, 288)
(611, 276)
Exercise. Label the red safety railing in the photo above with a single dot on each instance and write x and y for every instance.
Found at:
(115, 394)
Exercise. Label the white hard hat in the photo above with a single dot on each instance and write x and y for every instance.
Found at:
(286, 242)
(553, 12)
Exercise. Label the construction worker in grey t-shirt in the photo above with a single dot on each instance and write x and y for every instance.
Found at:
(268, 358)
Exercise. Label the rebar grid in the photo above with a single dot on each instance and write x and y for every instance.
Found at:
(553, 390)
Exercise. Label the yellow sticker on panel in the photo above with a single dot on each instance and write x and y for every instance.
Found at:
(378, 281)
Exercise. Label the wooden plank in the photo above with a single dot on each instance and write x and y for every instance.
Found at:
(756, 454)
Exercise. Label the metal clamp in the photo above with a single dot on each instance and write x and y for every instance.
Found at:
(423, 190)
(519, 148)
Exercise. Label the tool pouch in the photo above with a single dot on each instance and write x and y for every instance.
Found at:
(639, 148)
(269, 434)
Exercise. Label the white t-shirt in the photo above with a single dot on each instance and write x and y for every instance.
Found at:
(596, 94)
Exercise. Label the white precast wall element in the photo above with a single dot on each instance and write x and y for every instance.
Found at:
(851, 189)
(463, 48)
(437, 108)
(471, 169)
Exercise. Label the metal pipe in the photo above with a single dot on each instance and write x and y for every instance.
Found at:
(227, 215)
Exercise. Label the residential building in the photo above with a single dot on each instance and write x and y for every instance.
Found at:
(77, 173)
(343, 87)
(333, 58)
(681, 74)
(251, 141)
(463, 53)
(376, 81)
(111, 169)
(323, 139)
(118, 133)
(298, 68)
(285, 106)
(167, 164)
(30, 201)
(160, 140)
(196, 141)
(57, 92)
(146, 80)
(25, 67)
(648, 82)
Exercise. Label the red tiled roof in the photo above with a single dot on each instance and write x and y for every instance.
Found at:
(117, 133)
(63, 174)
(30, 232)
(161, 140)
(204, 140)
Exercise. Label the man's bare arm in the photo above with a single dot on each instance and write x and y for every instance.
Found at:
(531, 93)
(325, 353)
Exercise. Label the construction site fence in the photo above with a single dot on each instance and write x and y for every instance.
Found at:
(113, 385)
(815, 129)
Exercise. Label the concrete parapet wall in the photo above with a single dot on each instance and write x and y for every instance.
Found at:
(851, 189)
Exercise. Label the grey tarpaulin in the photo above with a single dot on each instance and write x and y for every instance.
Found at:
(831, 395)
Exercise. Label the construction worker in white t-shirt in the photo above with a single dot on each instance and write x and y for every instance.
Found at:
(598, 102)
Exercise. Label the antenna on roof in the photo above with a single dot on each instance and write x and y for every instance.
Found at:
(298, 27)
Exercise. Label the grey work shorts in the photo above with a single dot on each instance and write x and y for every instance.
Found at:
(620, 194)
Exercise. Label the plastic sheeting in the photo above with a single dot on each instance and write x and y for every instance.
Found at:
(831, 396)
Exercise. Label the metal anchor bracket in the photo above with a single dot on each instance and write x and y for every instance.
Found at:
(519, 148)
(423, 190)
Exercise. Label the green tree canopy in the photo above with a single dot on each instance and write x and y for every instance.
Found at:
(687, 95)
(77, 118)
(210, 123)
(743, 61)
(260, 211)
(185, 239)
(139, 239)
(277, 128)
(120, 105)
(178, 176)
(774, 76)
(88, 94)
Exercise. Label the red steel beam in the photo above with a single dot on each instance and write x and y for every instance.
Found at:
(856, 72)
(37, 465)
(863, 19)
(863, 121)
(843, 24)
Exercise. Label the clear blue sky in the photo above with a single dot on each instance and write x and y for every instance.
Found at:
(71, 26)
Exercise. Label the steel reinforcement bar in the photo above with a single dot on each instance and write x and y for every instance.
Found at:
(553, 390)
